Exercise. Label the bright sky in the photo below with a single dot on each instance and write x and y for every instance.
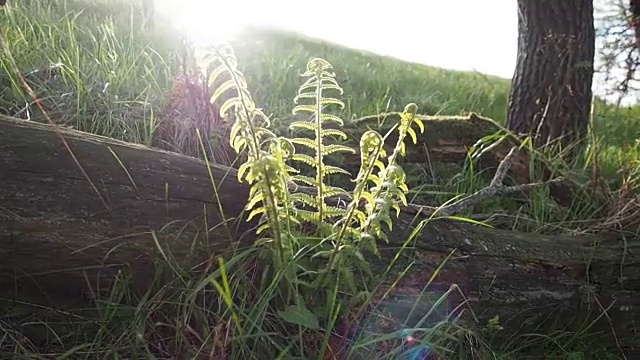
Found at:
(462, 34)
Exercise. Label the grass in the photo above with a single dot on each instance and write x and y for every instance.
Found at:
(97, 69)
(90, 72)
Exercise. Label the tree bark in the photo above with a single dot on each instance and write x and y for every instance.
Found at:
(634, 21)
(551, 89)
(532, 282)
(58, 234)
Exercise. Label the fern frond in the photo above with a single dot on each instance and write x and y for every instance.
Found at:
(334, 148)
(305, 199)
(334, 132)
(305, 142)
(330, 170)
(389, 185)
(305, 180)
(331, 118)
(303, 125)
(320, 79)
(304, 159)
(330, 191)
(265, 169)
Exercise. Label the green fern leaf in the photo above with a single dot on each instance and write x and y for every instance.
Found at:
(329, 170)
(333, 132)
(305, 142)
(332, 211)
(332, 118)
(412, 133)
(305, 180)
(243, 170)
(257, 198)
(304, 108)
(334, 148)
(334, 191)
(303, 125)
(304, 158)
(306, 199)
(254, 212)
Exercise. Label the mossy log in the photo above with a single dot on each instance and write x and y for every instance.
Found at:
(59, 233)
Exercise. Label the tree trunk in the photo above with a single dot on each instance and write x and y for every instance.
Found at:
(58, 234)
(551, 88)
(634, 21)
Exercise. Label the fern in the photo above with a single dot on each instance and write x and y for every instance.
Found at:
(344, 231)
(360, 229)
(389, 185)
(321, 79)
(265, 168)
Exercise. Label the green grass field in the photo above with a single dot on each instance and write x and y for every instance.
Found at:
(96, 68)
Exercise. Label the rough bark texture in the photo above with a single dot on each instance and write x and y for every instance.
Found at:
(551, 88)
(52, 218)
(530, 281)
(54, 228)
(634, 6)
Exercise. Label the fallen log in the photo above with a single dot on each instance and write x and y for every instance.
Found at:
(65, 219)
(59, 233)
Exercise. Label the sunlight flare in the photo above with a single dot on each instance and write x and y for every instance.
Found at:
(204, 21)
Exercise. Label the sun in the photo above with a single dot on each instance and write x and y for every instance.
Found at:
(206, 21)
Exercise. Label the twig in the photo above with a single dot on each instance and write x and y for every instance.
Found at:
(495, 188)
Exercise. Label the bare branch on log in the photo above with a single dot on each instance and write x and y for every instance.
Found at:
(495, 188)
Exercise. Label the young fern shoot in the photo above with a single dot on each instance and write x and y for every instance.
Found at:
(265, 168)
(321, 79)
(389, 185)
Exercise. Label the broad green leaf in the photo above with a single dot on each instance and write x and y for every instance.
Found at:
(301, 316)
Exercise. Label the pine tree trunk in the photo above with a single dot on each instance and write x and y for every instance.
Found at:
(551, 88)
